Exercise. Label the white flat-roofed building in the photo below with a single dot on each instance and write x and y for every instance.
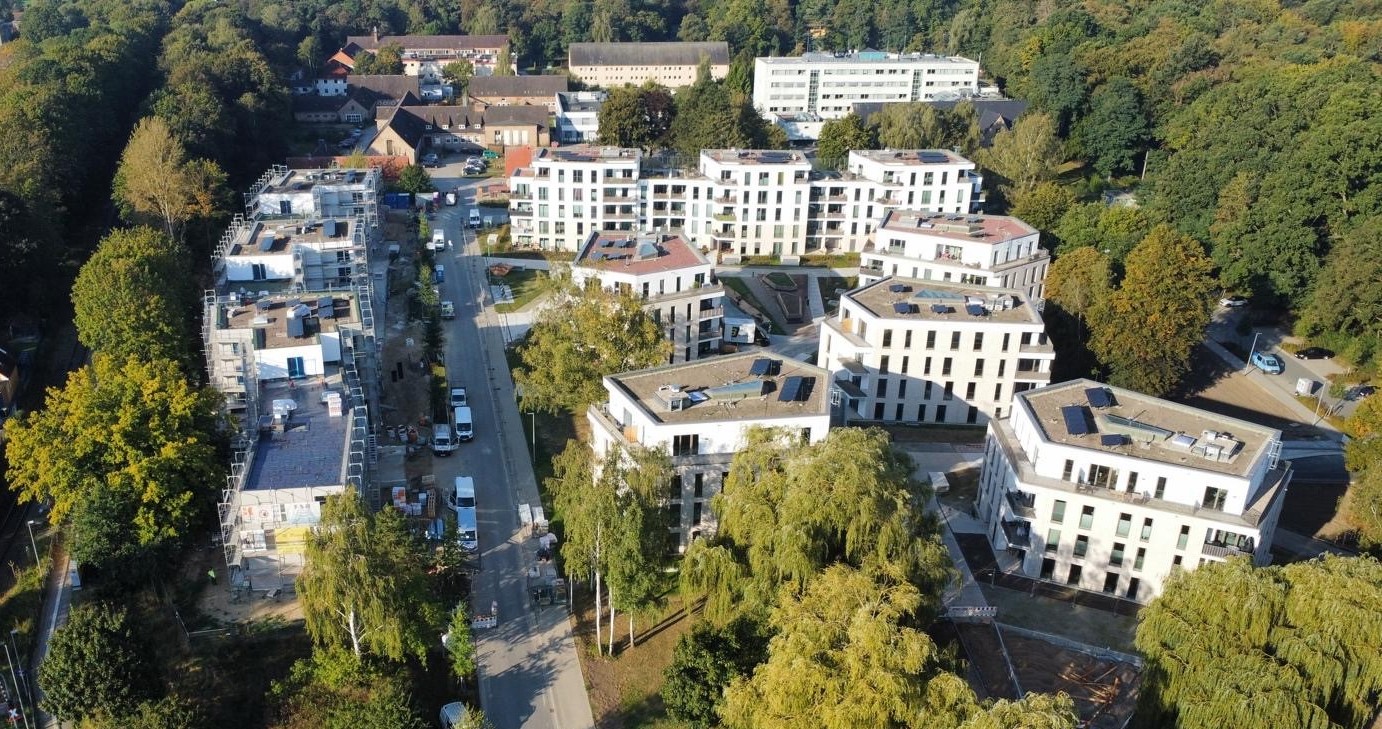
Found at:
(700, 413)
(1108, 489)
(737, 202)
(673, 278)
(978, 250)
(578, 116)
(564, 194)
(828, 85)
(671, 64)
(283, 192)
(910, 351)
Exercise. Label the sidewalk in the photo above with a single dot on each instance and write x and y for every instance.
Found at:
(57, 600)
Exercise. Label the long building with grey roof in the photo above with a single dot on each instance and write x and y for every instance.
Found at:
(673, 65)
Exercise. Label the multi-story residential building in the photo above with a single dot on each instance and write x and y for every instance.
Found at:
(737, 202)
(700, 413)
(425, 56)
(976, 250)
(567, 193)
(289, 333)
(673, 278)
(903, 350)
(487, 91)
(829, 84)
(673, 65)
(1108, 489)
(578, 116)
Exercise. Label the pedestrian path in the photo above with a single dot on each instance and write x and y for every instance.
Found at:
(962, 594)
(814, 301)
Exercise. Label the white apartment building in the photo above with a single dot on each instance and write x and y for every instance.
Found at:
(827, 85)
(1107, 489)
(737, 202)
(333, 193)
(976, 250)
(670, 64)
(903, 350)
(425, 56)
(567, 193)
(673, 278)
(578, 116)
(700, 413)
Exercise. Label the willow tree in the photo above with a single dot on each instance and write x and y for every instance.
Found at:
(364, 586)
(1298, 646)
(789, 509)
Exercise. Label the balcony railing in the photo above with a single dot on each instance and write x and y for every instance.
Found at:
(1023, 504)
(1224, 551)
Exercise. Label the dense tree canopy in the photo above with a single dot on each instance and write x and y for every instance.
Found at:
(133, 297)
(126, 439)
(705, 662)
(637, 116)
(156, 184)
(97, 664)
(579, 338)
(840, 136)
(1299, 645)
(337, 690)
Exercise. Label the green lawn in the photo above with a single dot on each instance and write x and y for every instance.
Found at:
(526, 284)
(780, 281)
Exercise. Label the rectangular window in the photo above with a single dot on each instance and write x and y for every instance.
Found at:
(1081, 545)
(1115, 559)
(1087, 517)
(972, 416)
(1132, 482)
(1111, 582)
(1068, 471)
(882, 387)
(926, 366)
(940, 413)
(998, 392)
(1146, 529)
(1052, 539)
(969, 391)
(887, 337)
(949, 391)
(979, 367)
(945, 366)
(931, 340)
(1133, 584)
(1075, 572)
(699, 485)
(1124, 525)
(1183, 538)
(696, 513)
(674, 488)
(883, 365)
(907, 340)
(901, 392)
(978, 341)
(1140, 558)
(905, 362)
(1058, 512)
(1176, 560)
(1214, 498)
(1006, 339)
(954, 340)
(686, 445)
(1160, 488)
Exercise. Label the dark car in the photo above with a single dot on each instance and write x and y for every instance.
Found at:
(1314, 353)
(1362, 391)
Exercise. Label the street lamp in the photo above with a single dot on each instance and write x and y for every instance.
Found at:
(1251, 350)
(534, 414)
(23, 679)
(32, 542)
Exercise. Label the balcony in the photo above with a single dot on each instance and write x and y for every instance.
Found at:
(725, 200)
(1018, 533)
(724, 217)
(520, 210)
(1023, 504)
(618, 198)
(619, 215)
(1224, 551)
(521, 195)
(1045, 348)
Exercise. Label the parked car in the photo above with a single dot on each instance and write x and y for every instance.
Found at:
(458, 397)
(448, 310)
(430, 157)
(440, 273)
(1314, 353)
(1267, 362)
(1234, 301)
(1362, 391)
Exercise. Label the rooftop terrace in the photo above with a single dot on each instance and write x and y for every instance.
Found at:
(980, 228)
(292, 181)
(1092, 415)
(278, 236)
(736, 387)
(588, 153)
(310, 448)
(638, 254)
(917, 300)
(756, 156)
(292, 320)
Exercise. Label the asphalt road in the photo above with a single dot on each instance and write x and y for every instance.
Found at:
(530, 675)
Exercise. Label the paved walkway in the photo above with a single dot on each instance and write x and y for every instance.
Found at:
(57, 601)
(1297, 410)
(964, 592)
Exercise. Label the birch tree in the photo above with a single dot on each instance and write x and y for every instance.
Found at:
(364, 586)
(156, 182)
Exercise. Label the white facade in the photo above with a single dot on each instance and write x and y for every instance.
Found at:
(976, 250)
(737, 202)
(703, 436)
(675, 281)
(1107, 489)
(828, 85)
(578, 116)
(332, 86)
(670, 64)
(920, 352)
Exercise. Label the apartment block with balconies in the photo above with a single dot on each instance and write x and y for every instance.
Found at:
(973, 250)
(700, 413)
(670, 275)
(565, 194)
(828, 85)
(1107, 489)
(910, 351)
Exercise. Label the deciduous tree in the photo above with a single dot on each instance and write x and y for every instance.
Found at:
(1144, 331)
(364, 587)
(1026, 154)
(132, 297)
(1043, 205)
(840, 136)
(335, 689)
(136, 433)
(156, 182)
(460, 643)
(705, 662)
(1115, 128)
(414, 178)
(97, 664)
(1079, 280)
(579, 338)
(458, 74)
(636, 116)
(503, 65)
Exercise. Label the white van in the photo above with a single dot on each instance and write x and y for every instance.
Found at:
(462, 501)
(438, 243)
(465, 425)
(473, 220)
(443, 440)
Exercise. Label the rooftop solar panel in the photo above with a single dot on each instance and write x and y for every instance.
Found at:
(974, 309)
(807, 385)
(295, 328)
(899, 288)
(697, 396)
(1099, 397)
(1115, 439)
(1076, 419)
(940, 309)
(901, 308)
(790, 390)
(765, 367)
